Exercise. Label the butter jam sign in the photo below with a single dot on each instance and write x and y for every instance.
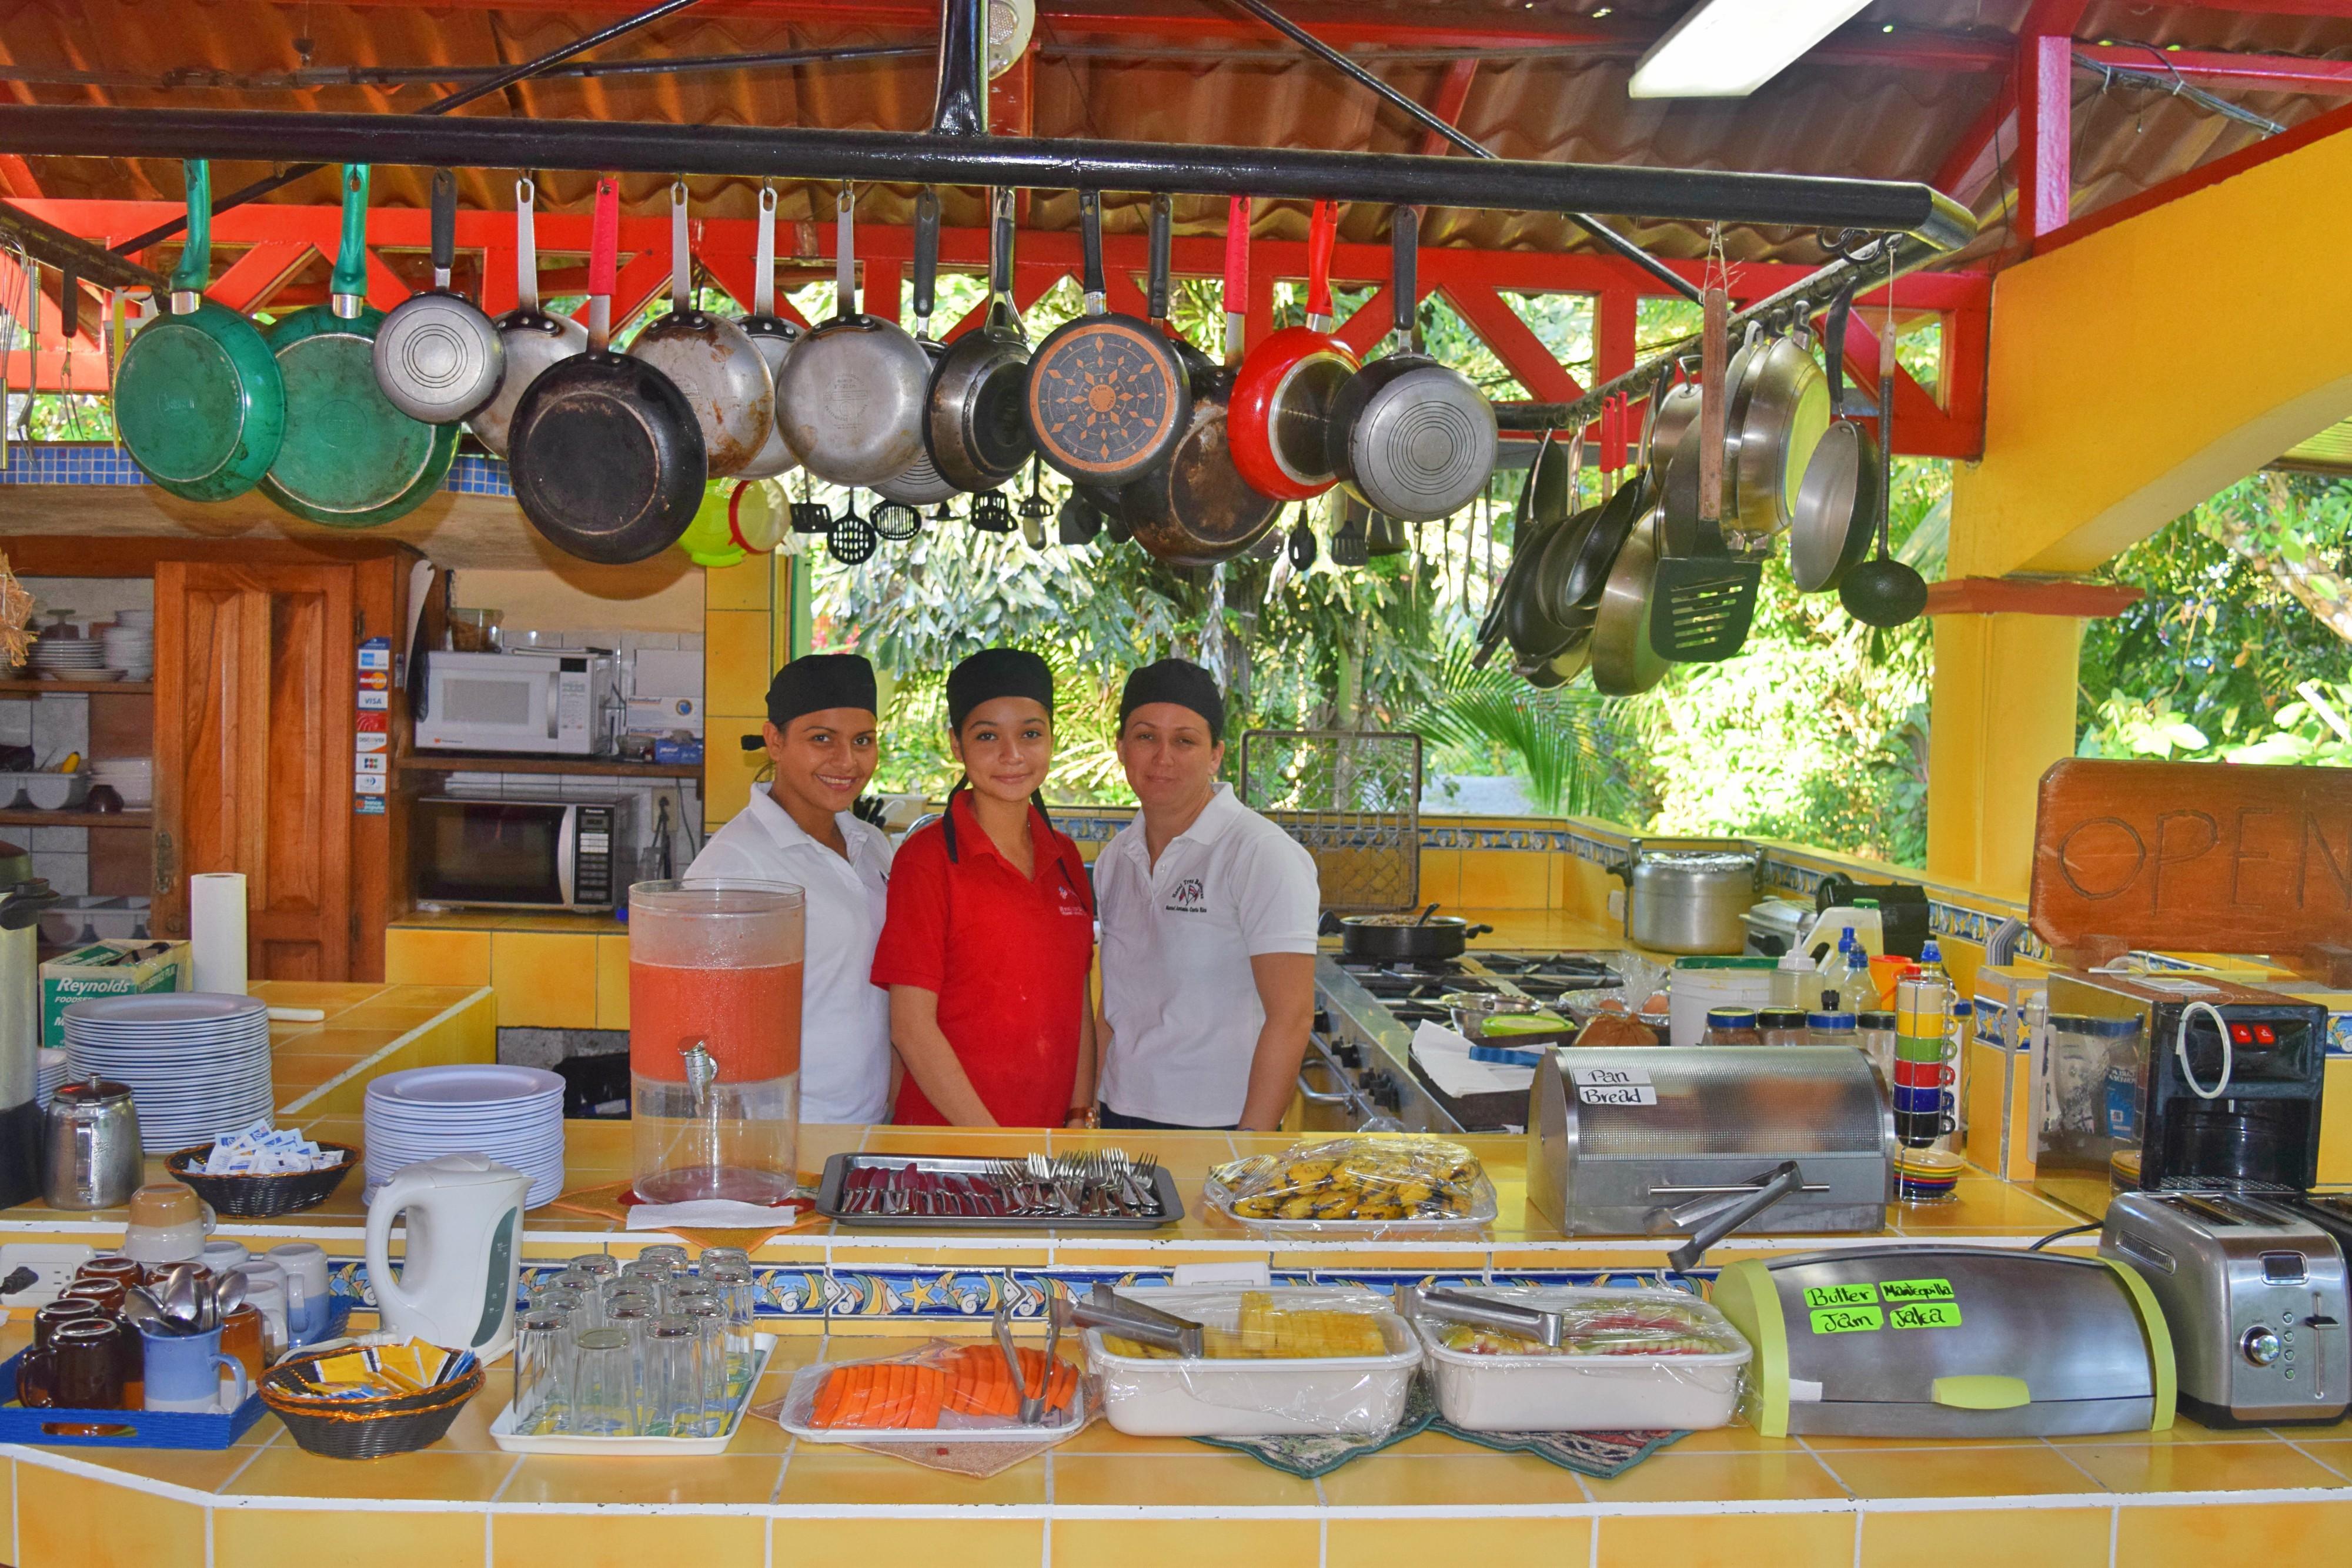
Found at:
(1908, 1304)
(1924, 1315)
(1846, 1319)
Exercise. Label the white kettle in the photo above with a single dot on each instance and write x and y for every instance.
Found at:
(455, 1287)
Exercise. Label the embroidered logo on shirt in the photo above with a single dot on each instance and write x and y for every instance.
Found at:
(1188, 897)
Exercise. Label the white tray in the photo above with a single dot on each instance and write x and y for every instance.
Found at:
(1483, 1207)
(801, 1396)
(1551, 1392)
(502, 1432)
(1323, 1396)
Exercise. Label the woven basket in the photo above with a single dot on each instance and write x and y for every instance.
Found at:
(261, 1197)
(363, 1429)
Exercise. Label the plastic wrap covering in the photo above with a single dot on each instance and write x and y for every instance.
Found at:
(1632, 1012)
(1285, 1362)
(1368, 1185)
(947, 1391)
(1622, 1361)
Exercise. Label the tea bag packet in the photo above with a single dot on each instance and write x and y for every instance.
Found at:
(264, 1150)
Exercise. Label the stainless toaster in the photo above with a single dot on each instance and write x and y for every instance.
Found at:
(2254, 1298)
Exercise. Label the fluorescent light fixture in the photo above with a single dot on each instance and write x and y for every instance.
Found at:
(1728, 48)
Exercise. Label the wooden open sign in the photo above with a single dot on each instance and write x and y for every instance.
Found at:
(2196, 857)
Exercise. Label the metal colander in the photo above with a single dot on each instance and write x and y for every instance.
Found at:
(1353, 798)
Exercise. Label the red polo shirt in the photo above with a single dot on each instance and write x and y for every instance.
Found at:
(1007, 956)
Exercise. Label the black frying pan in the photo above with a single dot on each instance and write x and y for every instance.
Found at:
(607, 458)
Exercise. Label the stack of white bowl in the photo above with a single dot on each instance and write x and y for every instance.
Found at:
(133, 777)
(59, 657)
(130, 643)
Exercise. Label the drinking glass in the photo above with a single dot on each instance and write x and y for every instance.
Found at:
(586, 1303)
(736, 1290)
(604, 1385)
(542, 1372)
(674, 1384)
(713, 1256)
(669, 1255)
(688, 1287)
(645, 1276)
(719, 1366)
(633, 1319)
(601, 1264)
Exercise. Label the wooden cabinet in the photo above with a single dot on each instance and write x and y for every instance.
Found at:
(256, 698)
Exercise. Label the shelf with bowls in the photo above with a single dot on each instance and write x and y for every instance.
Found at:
(32, 817)
(123, 689)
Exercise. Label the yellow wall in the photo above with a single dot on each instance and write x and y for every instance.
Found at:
(2002, 710)
(663, 594)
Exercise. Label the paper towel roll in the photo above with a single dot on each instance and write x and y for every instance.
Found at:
(217, 930)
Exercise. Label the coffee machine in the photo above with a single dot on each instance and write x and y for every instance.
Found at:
(2175, 1082)
(22, 896)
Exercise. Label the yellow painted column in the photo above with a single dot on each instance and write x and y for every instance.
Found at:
(738, 659)
(2002, 710)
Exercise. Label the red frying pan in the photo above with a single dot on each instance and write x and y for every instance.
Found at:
(1284, 390)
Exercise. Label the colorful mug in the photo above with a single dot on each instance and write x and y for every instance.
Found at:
(1923, 1074)
(184, 1372)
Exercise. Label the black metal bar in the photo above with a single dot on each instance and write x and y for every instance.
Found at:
(458, 99)
(961, 105)
(1795, 201)
(1777, 312)
(45, 241)
(1599, 231)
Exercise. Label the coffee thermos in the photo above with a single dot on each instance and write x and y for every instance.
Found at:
(22, 896)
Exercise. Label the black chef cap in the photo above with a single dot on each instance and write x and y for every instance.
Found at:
(815, 682)
(1178, 681)
(995, 672)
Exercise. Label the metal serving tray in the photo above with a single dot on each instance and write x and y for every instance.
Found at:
(841, 1168)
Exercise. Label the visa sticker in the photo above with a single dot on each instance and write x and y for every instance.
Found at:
(1925, 1315)
(1846, 1319)
(1915, 1290)
(1861, 1295)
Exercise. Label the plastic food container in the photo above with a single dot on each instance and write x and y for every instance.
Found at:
(1322, 1395)
(1564, 1391)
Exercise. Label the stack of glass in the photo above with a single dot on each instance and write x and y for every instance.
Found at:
(657, 1347)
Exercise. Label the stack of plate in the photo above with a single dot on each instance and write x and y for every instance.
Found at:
(513, 1115)
(57, 658)
(50, 1073)
(133, 777)
(197, 1063)
(130, 643)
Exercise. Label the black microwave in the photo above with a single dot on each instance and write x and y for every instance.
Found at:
(495, 851)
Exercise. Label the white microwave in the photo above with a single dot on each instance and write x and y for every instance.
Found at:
(512, 852)
(552, 702)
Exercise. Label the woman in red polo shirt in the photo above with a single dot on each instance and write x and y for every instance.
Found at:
(989, 937)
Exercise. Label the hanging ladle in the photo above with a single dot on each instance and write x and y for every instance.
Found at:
(1882, 591)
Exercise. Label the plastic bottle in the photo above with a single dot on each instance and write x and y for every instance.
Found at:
(1796, 980)
(1848, 973)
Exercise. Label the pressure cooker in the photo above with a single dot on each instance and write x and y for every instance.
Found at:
(1686, 895)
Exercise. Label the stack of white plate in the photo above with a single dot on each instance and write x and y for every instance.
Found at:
(59, 658)
(197, 1063)
(513, 1115)
(133, 777)
(50, 1073)
(130, 644)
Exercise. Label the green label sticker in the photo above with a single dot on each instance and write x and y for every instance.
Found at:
(1915, 1290)
(1924, 1315)
(1846, 1319)
(1863, 1295)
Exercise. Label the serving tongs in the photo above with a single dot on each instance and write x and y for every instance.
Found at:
(1446, 1305)
(1032, 1406)
(1104, 1308)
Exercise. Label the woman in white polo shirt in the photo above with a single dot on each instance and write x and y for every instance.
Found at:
(798, 830)
(1208, 927)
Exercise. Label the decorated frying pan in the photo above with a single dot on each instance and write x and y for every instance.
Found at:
(1107, 397)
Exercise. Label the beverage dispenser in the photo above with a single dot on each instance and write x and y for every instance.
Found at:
(715, 1039)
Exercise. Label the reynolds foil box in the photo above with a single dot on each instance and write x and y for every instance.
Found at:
(113, 969)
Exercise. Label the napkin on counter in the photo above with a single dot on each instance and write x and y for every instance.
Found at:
(1445, 1055)
(709, 1214)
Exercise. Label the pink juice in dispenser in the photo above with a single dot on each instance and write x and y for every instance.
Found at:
(715, 971)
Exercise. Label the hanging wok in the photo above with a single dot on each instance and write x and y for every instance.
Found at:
(607, 456)
(198, 399)
(350, 459)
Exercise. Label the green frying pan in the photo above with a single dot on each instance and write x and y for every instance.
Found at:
(350, 459)
(198, 399)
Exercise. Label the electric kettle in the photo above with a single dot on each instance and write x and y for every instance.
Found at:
(455, 1287)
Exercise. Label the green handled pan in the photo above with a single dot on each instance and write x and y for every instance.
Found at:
(198, 399)
(350, 459)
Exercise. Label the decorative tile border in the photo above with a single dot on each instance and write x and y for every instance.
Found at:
(100, 463)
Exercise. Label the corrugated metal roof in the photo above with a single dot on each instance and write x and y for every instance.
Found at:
(1847, 119)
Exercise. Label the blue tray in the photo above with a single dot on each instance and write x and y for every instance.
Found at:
(138, 1428)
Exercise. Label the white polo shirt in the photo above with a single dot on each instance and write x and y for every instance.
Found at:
(1177, 941)
(845, 1017)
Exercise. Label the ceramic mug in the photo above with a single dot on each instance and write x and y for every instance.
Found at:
(113, 1266)
(242, 1336)
(1925, 1100)
(79, 1369)
(168, 1224)
(309, 1304)
(221, 1255)
(64, 1310)
(184, 1372)
(1923, 1074)
(268, 1296)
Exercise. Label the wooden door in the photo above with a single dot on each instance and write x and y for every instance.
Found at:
(256, 680)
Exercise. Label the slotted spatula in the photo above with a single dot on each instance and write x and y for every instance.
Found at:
(1704, 602)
